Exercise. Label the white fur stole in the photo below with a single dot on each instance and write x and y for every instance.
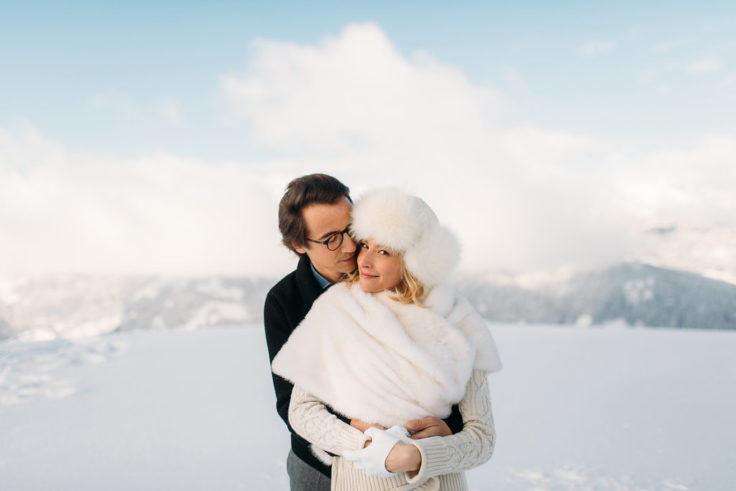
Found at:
(381, 361)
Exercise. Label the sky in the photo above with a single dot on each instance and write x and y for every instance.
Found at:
(157, 137)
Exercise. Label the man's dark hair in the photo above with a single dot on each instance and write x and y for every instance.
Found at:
(300, 193)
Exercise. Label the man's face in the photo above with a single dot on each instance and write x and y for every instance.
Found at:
(322, 220)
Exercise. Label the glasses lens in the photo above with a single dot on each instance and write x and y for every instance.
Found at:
(334, 241)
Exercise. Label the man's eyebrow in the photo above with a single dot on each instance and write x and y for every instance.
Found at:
(324, 236)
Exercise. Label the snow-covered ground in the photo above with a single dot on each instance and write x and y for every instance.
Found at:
(611, 408)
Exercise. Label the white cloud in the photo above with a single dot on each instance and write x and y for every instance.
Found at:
(351, 91)
(596, 48)
(707, 249)
(361, 108)
(65, 212)
(520, 197)
(705, 65)
(688, 186)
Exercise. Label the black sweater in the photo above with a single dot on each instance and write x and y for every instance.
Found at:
(286, 306)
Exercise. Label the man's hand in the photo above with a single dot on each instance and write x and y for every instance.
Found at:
(362, 425)
(426, 427)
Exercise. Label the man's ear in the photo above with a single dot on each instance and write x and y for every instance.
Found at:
(299, 249)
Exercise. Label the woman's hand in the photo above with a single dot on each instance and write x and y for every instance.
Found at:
(373, 460)
(403, 457)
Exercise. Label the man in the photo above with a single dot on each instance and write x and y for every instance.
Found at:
(314, 217)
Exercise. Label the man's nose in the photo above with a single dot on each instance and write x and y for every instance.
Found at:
(348, 245)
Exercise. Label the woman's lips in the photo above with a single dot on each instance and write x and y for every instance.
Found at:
(367, 276)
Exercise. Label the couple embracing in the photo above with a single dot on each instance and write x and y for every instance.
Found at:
(379, 367)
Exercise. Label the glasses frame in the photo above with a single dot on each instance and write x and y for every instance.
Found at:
(338, 242)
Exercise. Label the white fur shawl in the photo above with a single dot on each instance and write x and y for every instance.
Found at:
(381, 361)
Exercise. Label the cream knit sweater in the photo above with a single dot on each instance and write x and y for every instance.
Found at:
(443, 458)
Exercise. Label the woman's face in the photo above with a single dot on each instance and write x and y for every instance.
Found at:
(379, 267)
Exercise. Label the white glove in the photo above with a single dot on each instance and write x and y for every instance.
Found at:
(372, 459)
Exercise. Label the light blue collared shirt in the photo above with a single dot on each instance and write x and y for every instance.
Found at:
(323, 282)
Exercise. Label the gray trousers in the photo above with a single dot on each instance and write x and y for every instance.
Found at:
(302, 477)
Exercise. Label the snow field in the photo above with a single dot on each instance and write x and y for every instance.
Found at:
(608, 409)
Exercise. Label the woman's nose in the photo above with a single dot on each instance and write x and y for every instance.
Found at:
(364, 260)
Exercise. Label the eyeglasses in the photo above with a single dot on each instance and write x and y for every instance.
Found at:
(333, 241)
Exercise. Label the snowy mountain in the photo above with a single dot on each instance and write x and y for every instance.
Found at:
(632, 294)
(72, 306)
(194, 303)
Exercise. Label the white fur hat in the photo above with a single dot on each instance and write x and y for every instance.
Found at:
(407, 224)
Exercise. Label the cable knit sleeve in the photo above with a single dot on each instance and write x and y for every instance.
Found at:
(464, 450)
(309, 417)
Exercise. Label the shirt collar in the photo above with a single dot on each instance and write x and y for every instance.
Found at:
(323, 282)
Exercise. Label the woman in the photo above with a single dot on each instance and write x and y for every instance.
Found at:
(389, 345)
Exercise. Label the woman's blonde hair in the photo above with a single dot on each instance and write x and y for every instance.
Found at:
(408, 291)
